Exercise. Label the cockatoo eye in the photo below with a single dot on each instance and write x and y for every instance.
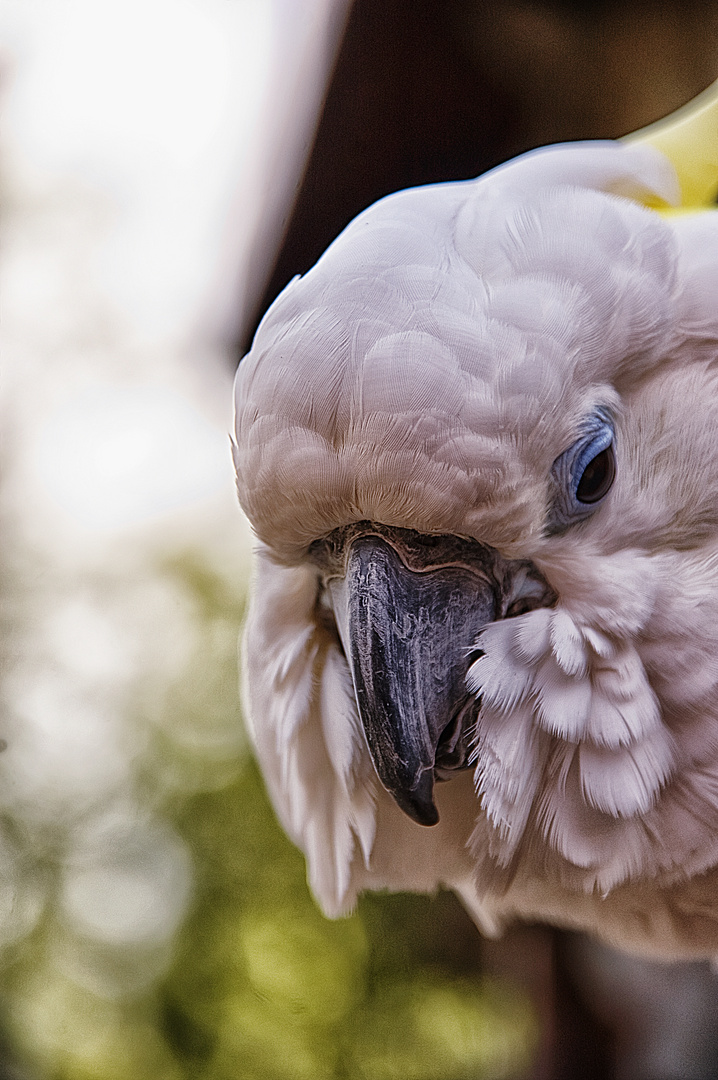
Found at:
(597, 477)
(583, 475)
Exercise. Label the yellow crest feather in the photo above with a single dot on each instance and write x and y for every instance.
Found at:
(689, 139)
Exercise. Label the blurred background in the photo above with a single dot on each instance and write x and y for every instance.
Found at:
(165, 167)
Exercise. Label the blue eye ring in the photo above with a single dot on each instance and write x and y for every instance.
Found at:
(583, 475)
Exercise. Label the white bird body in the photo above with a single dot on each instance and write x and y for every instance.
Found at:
(439, 372)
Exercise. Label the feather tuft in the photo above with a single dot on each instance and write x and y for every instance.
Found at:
(495, 676)
(627, 780)
(532, 635)
(567, 644)
(510, 758)
(563, 701)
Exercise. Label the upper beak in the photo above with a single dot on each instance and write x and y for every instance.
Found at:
(409, 617)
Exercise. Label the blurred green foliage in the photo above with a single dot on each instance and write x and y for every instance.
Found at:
(263, 984)
(259, 984)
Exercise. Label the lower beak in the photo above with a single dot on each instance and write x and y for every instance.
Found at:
(408, 634)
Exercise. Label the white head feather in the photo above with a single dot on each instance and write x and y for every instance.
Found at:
(426, 374)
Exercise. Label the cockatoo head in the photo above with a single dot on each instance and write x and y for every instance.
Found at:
(476, 443)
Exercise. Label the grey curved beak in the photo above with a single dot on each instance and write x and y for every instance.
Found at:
(407, 635)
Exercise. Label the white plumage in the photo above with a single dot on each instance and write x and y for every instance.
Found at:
(444, 370)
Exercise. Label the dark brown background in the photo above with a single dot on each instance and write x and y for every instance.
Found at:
(433, 90)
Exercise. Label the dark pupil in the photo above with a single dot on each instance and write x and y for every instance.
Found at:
(597, 477)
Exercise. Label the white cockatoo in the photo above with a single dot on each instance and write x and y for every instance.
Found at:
(478, 444)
